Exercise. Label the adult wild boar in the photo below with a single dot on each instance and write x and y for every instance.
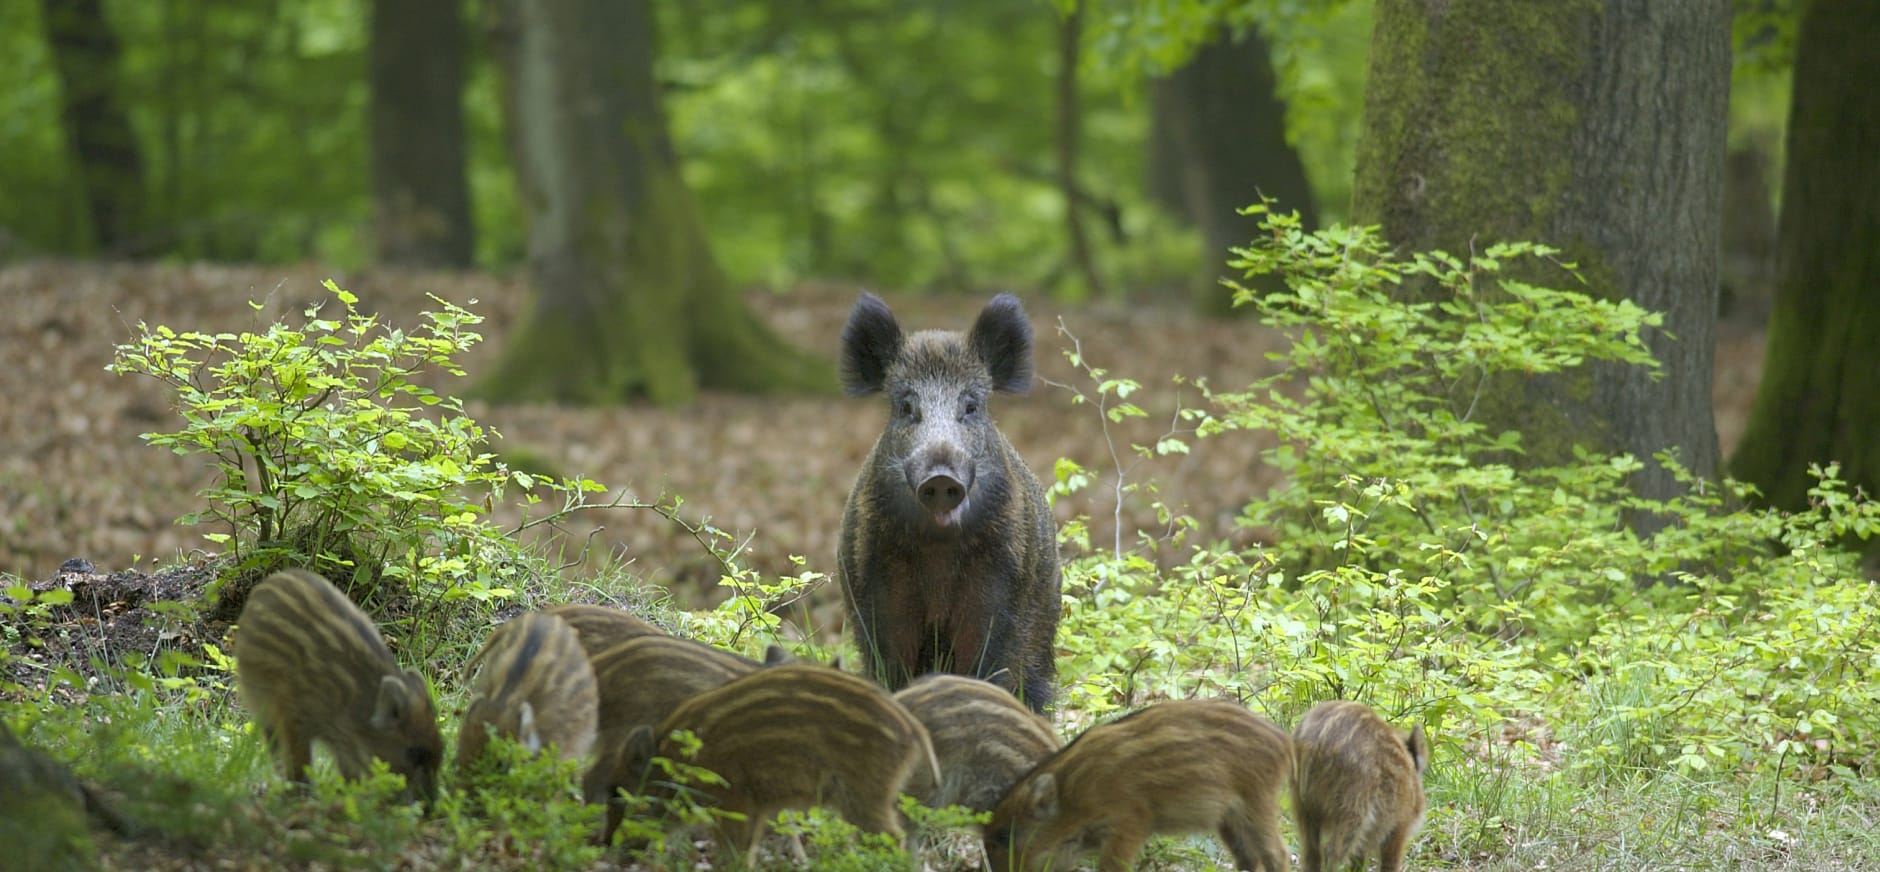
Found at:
(948, 552)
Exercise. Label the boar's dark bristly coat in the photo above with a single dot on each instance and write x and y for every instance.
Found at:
(948, 551)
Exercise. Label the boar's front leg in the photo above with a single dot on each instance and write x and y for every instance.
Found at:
(981, 647)
(889, 635)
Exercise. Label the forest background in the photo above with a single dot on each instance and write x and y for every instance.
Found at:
(662, 211)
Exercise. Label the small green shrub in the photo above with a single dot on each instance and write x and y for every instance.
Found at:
(330, 452)
(1386, 464)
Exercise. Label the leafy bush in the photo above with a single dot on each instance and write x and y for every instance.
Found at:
(1413, 565)
(331, 452)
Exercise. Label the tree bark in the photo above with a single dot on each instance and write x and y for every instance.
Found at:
(85, 54)
(1223, 146)
(1069, 128)
(629, 300)
(1597, 126)
(1820, 394)
(420, 192)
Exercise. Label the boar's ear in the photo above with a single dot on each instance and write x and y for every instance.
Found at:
(1001, 338)
(775, 654)
(526, 733)
(394, 701)
(870, 342)
(1044, 797)
(1419, 748)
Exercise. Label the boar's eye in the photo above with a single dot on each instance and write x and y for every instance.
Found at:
(904, 407)
(970, 407)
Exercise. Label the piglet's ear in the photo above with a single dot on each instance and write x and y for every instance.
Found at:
(1001, 339)
(391, 704)
(870, 342)
(526, 731)
(1419, 747)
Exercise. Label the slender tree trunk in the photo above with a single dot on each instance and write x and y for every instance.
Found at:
(1596, 126)
(1820, 395)
(420, 193)
(1162, 177)
(1069, 128)
(629, 300)
(1747, 268)
(85, 54)
(1223, 147)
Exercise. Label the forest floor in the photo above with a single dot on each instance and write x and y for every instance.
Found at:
(77, 481)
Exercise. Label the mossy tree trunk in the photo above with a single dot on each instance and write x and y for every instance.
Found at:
(1220, 144)
(85, 55)
(420, 192)
(1597, 126)
(1820, 395)
(629, 301)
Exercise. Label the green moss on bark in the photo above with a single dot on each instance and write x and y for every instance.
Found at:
(1467, 120)
(1467, 117)
(1595, 126)
(630, 303)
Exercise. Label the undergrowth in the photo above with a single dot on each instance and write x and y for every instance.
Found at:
(1703, 698)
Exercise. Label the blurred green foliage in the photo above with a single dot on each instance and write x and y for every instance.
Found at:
(889, 142)
(901, 144)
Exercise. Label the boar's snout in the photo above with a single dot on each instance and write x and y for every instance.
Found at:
(941, 479)
(941, 493)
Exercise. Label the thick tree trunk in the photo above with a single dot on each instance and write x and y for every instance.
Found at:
(1596, 126)
(85, 53)
(1820, 395)
(420, 193)
(1224, 145)
(629, 300)
(1069, 128)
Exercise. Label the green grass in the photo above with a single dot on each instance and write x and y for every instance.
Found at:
(192, 773)
(1482, 818)
(180, 759)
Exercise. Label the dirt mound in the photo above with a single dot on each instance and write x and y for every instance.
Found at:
(112, 617)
